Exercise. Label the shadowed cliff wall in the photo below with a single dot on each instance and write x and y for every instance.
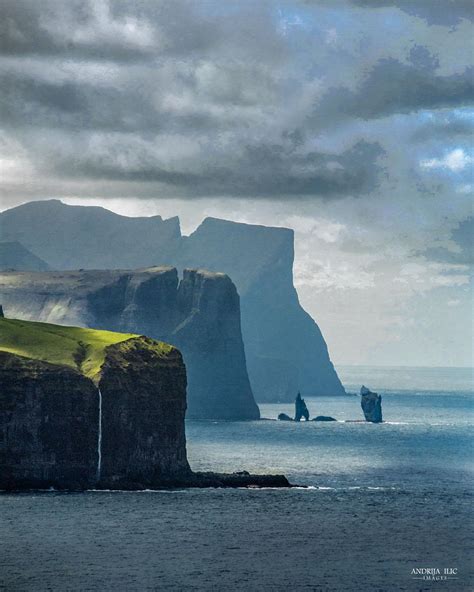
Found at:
(200, 315)
(285, 349)
(50, 417)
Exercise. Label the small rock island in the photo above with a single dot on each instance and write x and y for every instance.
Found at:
(88, 409)
(371, 404)
(301, 410)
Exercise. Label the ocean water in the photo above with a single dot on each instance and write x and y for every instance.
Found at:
(425, 441)
(378, 501)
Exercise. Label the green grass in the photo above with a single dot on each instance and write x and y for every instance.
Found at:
(82, 349)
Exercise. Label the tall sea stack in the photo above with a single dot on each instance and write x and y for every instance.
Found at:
(371, 404)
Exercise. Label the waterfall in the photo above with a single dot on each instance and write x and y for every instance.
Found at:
(99, 438)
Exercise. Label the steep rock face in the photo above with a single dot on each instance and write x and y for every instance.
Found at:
(48, 425)
(200, 315)
(143, 409)
(285, 349)
(50, 416)
(13, 255)
(210, 337)
(371, 404)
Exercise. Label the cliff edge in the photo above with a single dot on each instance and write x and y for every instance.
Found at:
(285, 349)
(83, 409)
(200, 315)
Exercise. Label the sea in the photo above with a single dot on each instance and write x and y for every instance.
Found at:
(377, 506)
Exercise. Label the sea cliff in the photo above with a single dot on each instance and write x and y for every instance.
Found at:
(285, 349)
(82, 408)
(200, 315)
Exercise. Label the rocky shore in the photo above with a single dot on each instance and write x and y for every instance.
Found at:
(83, 409)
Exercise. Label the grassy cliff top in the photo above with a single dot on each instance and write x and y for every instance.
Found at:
(78, 348)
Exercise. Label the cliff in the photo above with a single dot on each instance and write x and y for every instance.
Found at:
(83, 408)
(199, 315)
(285, 349)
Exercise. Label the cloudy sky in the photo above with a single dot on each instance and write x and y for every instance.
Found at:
(348, 120)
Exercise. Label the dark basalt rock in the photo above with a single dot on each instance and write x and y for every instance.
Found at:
(238, 479)
(48, 426)
(122, 429)
(300, 408)
(371, 404)
(285, 417)
(324, 418)
(49, 421)
(200, 315)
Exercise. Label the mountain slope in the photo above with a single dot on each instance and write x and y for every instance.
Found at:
(13, 255)
(285, 350)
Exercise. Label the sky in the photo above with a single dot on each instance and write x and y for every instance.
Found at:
(349, 121)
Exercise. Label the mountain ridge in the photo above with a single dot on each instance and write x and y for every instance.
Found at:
(258, 259)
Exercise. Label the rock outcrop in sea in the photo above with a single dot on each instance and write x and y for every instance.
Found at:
(371, 404)
(200, 315)
(300, 408)
(82, 409)
(285, 349)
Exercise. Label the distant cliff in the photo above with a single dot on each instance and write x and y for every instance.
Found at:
(284, 347)
(107, 411)
(286, 351)
(199, 315)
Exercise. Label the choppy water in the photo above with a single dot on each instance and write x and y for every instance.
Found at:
(383, 499)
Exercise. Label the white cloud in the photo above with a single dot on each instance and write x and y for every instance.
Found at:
(454, 302)
(456, 160)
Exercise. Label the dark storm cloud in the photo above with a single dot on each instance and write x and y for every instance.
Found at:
(260, 171)
(210, 98)
(446, 128)
(394, 87)
(437, 12)
(50, 28)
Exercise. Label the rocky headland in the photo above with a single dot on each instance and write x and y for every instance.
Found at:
(200, 315)
(87, 409)
(285, 349)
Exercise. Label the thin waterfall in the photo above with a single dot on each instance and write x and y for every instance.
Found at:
(99, 438)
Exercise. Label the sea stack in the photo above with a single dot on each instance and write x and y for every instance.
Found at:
(300, 408)
(371, 404)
